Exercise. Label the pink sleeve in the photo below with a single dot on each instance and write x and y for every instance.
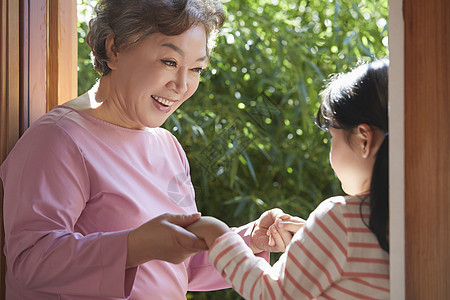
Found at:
(46, 187)
(204, 277)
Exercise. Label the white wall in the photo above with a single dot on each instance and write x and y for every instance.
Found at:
(396, 150)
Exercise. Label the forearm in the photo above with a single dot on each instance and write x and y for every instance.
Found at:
(61, 262)
(136, 253)
(249, 275)
(203, 275)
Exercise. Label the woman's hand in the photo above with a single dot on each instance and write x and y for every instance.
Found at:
(164, 238)
(274, 231)
(209, 229)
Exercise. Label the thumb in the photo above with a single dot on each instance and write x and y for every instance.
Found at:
(183, 220)
(193, 243)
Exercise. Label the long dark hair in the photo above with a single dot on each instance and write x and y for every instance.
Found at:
(361, 97)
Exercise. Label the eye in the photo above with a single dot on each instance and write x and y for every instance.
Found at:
(169, 63)
(198, 70)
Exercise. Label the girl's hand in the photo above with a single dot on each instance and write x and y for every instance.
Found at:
(274, 231)
(208, 229)
(284, 223)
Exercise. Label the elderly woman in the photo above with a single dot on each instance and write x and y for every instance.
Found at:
(96, 195)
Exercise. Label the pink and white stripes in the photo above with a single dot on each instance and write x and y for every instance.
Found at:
(335, 256)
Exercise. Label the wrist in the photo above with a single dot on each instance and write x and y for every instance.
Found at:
(215, 234)
(136, 252)
(131, 253)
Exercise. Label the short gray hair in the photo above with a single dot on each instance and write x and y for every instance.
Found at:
(130, 21)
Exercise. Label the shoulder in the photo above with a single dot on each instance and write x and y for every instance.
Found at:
(328, 206)
(166, 138)
(162, 133)
(169, 144)
(337, 212)
(325, 229)
(59, 119)
(45, 138)
(47, 129)
(340, 205)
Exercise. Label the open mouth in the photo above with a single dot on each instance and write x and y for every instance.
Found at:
(162, 101)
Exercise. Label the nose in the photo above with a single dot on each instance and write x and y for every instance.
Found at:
(180, 82)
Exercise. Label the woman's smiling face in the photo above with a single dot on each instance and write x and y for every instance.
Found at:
(149, 81)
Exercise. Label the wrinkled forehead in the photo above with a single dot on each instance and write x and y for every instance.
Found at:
(191, 44)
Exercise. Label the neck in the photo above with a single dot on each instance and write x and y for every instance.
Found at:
(105, 106)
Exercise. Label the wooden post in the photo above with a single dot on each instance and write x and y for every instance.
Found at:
(38, 70)
(62, 52)
(9, 97)
(427, 135)
(35, 47)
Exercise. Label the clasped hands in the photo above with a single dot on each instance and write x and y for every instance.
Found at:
(174, 238)
(272, 232)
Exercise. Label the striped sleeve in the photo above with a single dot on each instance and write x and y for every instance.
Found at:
(312, 263)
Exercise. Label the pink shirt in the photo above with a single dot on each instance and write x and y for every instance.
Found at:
(74, 186)
(335, 256)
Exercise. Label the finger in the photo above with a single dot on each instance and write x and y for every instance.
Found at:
(276, 212)
(292, 227)
(285, 217)
(182, 220)
(199, 245)
(281, 221)
(190, 241)
(278, 243)
(271, 241)
(297, 220)
(285, 235)
(269, 230)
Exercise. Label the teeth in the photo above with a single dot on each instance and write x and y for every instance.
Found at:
(163, 101)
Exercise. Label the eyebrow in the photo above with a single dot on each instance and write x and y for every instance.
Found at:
(181, 52)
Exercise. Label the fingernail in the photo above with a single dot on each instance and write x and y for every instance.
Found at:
(280, 224)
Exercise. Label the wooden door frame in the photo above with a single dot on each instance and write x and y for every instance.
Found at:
(426, 149)
(419, 87)
(9, 97)
(38, 70)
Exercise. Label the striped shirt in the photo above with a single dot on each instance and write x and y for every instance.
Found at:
(334, 256)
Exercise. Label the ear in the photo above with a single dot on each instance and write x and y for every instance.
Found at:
(365, 140)
(111, 52)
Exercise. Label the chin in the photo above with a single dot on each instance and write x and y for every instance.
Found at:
(348, 191)
(154, 124)
(351, 192)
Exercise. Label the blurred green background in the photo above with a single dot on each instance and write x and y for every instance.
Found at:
(249, 130)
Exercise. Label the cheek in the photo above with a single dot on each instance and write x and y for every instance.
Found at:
(337, 162)
(193, 86)
(332, 157)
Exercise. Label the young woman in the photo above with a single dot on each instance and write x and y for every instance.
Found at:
(342, 251)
